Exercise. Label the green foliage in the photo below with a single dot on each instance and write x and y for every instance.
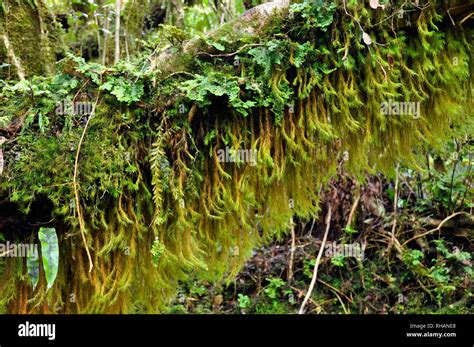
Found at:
(269, 56)
(338, 260)
(156, 251)
(125, 82)
(350, 230)
(315, 13)
(33, 267)
(271, 91)
(447, 272)
(38, 98)
(448, 188)
(173, 34)
(444, 183)
(201, 89)
(49, 254)
(277, 298)
(217, 45)
(308, 267)
(273, 288)
(148, 169)
(124, 90)
(198, 289)
(413, 257)
(244, 301)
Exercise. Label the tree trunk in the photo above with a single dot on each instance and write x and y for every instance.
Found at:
(251, 23)
(117, 30)
(27, 33)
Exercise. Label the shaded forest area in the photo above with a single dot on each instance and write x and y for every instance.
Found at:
(238, 157)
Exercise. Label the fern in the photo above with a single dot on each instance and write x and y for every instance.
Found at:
(160, 169)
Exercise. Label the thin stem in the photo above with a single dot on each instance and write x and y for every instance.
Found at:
(318, 259)
(75, 185)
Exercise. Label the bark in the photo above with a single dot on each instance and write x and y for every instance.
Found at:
(117, 30)
(27, 33)
(11, 54)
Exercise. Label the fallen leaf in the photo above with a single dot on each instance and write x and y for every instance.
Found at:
(374, 4)
(367, 39)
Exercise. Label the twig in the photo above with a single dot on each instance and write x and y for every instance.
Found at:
(452, 177)
(292, 250)
(397, 12)
(345, 10)
(368, 44)
(342, 303)
(468, 180)
(453, 8)
(467, 17)
(353, 209)
(75, 184)
(318, 259)
(395, 204)
(335, 290)
(312, 227)
(437, 228)
(450, 17)
(80, 89)
(311, 300)
(178, 73)
(230, 54)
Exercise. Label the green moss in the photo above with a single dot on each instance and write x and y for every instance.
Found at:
(150, 168)
(31, 32)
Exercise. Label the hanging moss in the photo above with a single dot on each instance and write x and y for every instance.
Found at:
(149, 171)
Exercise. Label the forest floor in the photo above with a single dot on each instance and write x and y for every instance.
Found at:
(430, 274)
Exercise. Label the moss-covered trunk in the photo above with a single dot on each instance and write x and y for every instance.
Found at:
(28, 38)
(297, 92)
